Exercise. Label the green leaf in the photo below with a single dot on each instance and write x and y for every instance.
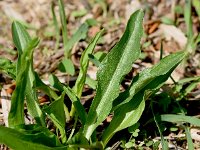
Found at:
(64, 25)
(196, 4)
(167, 20)
(70, 93)
(43, 87)
(55, 22)
(189, 139)
(180, 118)
(90, 82)
(78, 87)
(157, 74)
(163, 141)
(54, 82)
(94, 60)
(97, 58)
(8, 67)
(80, 34)
(37, 138)
(56, 113)
(84, 62)
(112, 70)
(21, 39)
(127, 115)
(67, 66)
(130, 104)
(188, 18)
(76, 103)
(16, 115)
(78, 139)
(190, 79)
(100, 55)
(79, 13)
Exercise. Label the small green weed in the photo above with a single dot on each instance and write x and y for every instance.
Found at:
(126, 106)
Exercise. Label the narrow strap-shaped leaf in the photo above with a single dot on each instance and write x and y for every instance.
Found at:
(31, 96)
(21, 39)
(180, 118)
(112, 70)
(80, 34)
(32, 140)
(56, 113)
(20, 36)
(130, 104)
(16, 115)
(80, 82)
(55, 22)
(78, 87)
(64, 25)
(189, 139)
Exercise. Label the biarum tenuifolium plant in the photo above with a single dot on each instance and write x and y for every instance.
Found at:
(126, 106)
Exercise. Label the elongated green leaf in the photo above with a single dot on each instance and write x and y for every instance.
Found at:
(16, 115)
(189, 139)
(80, 34)
(129, 106)
(190, 79)
(36, 139)
(78, 87)
(188, 18)
(55, 22)
(147, 76)
(180, 118)
(112, 70)
(64, 25)
(56, 113)
(31, 96)
(21, 39)
(58, 85)
(164, 143)
(75, 100)
(127, 115)
(8, 67)
(80, 82)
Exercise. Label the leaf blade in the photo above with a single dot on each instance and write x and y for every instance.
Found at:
(129, 106)
(16, 115)
(56, 113)
(25, 46)
(20, 36)
(37, 140)
(121, 57)
(180, 118)
(78, 87)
